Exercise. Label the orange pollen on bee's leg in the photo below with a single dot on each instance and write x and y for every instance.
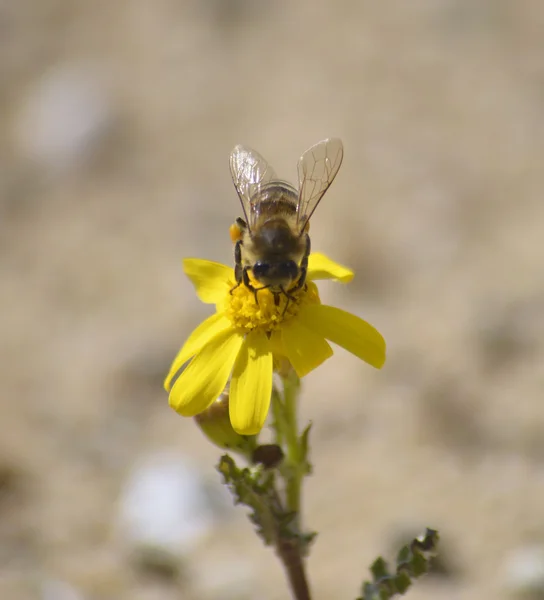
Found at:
(266, 315)
(235, 232)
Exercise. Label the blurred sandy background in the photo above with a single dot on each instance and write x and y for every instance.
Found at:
(116, 121)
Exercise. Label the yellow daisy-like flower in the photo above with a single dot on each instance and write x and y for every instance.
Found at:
(243, 338)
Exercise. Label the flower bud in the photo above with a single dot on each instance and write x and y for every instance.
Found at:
(215, 424)
(268, 455)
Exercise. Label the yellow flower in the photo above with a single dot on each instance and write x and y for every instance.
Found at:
(243, 338)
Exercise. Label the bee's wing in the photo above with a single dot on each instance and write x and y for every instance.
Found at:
(317, 169)
(250, 172)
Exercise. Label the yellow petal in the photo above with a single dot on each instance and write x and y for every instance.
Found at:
(207, 374)
(346, 330)
(305, 348)
(322, 267)
(211, 279)
(207, 330)
(251, 385)
(276, 343)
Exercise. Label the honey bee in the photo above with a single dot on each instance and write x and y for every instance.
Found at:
(272, 241)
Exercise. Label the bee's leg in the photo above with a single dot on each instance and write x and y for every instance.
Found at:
(237, 229)
(288, 295)
(238, 261)
(301, 278)
(238, 269)
(303, 267)
(247, 283)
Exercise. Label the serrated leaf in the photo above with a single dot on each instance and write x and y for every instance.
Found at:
(413, 561)
(402, 582)
(404, 554)
(379, 568)
(255, 489)
(419, 564)
(305, 449)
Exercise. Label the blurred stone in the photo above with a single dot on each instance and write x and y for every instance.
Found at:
(448, 419)
(10, 483)
(18, 494)
(141, 373)
(235, 13)
(510, 331)
(63, 119)
(165, 513)
(524, 570)
(158, 563)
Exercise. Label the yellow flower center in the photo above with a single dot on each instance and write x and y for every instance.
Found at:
(271, 308)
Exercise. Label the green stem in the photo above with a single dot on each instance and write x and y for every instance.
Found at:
(277, 411)
(289, 546)
(295, 472)
(293, 563)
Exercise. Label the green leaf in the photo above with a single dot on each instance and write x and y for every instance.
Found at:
(255, 488)
(402, 582)
(379, 568)
(413, 561)
(305, 449)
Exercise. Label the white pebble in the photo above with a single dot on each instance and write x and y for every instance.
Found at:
(165, 509)
(524, 569)
(59, 590)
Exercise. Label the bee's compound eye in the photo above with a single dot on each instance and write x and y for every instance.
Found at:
(290, 268)
(260, 269)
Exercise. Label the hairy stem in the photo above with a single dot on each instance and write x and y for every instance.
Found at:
(290, 550)
(293, 563)
(295, 470)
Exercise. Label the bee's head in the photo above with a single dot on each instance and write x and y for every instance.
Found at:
(275, 274)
